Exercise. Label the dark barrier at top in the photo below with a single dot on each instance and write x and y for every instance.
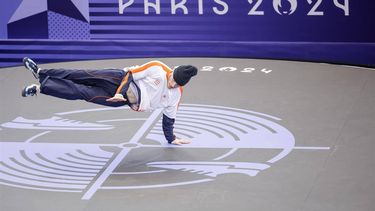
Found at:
(338, 31)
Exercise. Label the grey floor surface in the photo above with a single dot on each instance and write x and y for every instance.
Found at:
(325, 118)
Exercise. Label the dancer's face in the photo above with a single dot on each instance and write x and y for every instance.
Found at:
(172, 83)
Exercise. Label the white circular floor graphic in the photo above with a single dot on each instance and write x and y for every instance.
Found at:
(70, 167)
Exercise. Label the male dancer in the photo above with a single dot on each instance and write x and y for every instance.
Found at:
(143, 88)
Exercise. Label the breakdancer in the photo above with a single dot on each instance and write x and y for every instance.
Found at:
(143, 88)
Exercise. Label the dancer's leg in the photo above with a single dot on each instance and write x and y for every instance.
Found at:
(67, 89)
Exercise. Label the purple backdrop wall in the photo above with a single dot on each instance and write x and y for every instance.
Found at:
(337, 31)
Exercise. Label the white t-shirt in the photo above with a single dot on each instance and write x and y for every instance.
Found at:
(152, 79)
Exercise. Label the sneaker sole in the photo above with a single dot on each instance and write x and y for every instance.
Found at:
(23, 93)
(26, 64)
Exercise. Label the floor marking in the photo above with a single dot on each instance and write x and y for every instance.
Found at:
(120, 120)
(36, 136)
(43, 189)
(226, 154)
(109, 170)
(313, 148)
(154, 186)
(236, 109)
(91, 110)
(136, 173)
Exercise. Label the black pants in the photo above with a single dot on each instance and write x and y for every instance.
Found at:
(94, 86)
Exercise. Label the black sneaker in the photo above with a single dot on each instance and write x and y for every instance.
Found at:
(32, 66)
(30, 90)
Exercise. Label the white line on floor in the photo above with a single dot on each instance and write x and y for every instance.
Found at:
(109, 170)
